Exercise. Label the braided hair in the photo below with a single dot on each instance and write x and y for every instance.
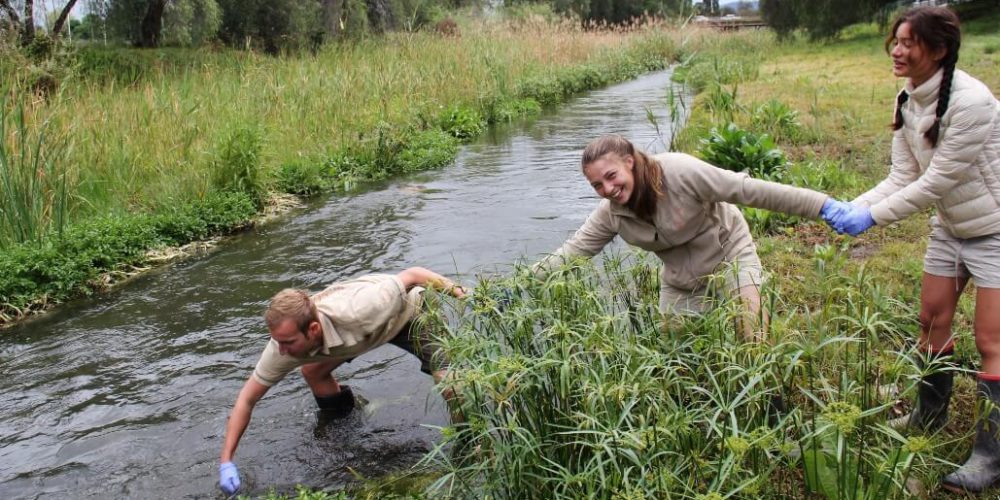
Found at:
(934, 28)
(645, 170)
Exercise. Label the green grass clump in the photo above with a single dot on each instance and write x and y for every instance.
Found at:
(573, 385)
(88, 256)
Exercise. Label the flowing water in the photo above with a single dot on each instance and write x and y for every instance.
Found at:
(126, 395)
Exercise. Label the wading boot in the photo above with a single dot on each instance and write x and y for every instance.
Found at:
(337, 405)
(930, 412)
(776, 410)
(982, 470)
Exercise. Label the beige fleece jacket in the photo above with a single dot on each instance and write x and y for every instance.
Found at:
(695, 227)
(961, 176)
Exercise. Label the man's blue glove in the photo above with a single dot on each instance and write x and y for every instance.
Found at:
(856, 222)
(833, 210)
(229, 478)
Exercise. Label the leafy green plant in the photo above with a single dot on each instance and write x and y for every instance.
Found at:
(462, 122)
(238, 165)
(777, 119)
(427, 150)
(572, 385)
(736, 149)
(302, 177)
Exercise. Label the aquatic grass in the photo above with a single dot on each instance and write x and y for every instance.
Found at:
(573, 385)
(34, 199)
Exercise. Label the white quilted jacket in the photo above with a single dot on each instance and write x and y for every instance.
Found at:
(961, 176)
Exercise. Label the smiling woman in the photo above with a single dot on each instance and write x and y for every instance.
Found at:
(680, 208)
(946, 154)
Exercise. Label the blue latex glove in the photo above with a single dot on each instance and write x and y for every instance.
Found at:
(833, 210)
(229, 478)
(856, 222)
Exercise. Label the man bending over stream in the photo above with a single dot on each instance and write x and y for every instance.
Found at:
(319, 332)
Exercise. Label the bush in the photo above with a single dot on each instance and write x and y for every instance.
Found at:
(778, 120)
(428, 150)
(574, 386)
(733, 148)
(462, 122)
(302, 177)
(238, 167)
(546, 90)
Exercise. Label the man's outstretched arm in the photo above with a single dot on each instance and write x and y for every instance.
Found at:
(239, 419)
(419, 276)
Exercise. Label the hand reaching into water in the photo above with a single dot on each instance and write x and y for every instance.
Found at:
(229, 478)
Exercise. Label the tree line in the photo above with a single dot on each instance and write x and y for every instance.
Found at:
(269, 25)
(278, 25)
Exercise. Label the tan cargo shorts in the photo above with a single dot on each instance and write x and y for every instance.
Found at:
(951, 257)
(744, 270)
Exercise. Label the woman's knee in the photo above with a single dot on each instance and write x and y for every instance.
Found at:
(936, 315)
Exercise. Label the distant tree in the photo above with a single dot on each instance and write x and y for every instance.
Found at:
(781, 15)
(91, 27)
(820, 18)
(271, 25)
(151, 26)
(710, 8)
(191, 22)
(24, 23)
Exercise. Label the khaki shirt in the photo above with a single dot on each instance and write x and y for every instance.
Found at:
(694, 228)
(357, 316)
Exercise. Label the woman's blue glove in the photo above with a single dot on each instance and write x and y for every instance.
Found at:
(229, 478)
(833, 210)
(856, 222)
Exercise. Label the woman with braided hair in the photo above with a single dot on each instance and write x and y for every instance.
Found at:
(946, 153)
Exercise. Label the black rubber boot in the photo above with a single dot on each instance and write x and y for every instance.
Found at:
(933, 394)
(982, 470)
(338, 405)
(776, 410)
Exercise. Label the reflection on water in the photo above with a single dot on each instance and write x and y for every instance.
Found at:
(126, 395)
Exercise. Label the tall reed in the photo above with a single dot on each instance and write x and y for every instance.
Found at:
(33, 177)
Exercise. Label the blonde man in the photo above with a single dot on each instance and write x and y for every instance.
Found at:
(319, 332)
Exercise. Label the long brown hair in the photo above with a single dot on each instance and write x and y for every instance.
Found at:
(934, 28)
(646, 171)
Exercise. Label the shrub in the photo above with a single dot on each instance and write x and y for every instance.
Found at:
(427, 150)
(574, 386)
(546, 90)
(733, 148)
(462, 122)
(238, 166)
(302, 177)
(777, 119)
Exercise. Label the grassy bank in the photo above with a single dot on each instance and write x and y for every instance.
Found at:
(574, 389)
(150, 155)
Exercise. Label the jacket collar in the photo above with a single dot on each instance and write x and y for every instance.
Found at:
(927, 92)
(620, 210)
